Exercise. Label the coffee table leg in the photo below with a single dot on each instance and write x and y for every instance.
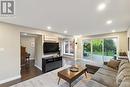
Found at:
(58, 81)
(69, 84)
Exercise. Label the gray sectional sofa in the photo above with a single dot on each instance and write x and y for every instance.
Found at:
(109, 77)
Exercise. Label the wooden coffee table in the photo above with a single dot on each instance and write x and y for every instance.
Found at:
(70, 76)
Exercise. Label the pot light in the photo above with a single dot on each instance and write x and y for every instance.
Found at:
(101, 7)
(65, 32)
(113, 31)
(49, 27)
(109, 22)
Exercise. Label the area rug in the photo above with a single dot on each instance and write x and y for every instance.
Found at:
(50, 79)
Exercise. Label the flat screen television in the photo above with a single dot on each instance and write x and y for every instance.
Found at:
(50, 47)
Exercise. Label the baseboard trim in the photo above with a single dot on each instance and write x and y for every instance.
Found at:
(38, 67)
(67, 56)
(10, 79)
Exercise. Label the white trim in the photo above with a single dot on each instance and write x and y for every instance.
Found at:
(68, 56)
(38, 67)
(101, 37)
(10, 79)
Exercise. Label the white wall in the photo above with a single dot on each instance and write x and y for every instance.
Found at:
(39, 52)
(9, 53)
(29, 43)
(10, 49)
(123, 42)
(78, 47)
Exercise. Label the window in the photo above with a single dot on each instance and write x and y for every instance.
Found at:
(69, 47)
(66, 47)
(102, 49)
(87, 48)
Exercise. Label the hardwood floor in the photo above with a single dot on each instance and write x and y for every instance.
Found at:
(30, 71)
(27, 72)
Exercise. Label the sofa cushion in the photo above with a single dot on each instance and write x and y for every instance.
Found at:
(124, 73)
(93, 83)
(109, 68)
(113, 64)
(90, 83)
(105, 80)
(122, 62)
(125, 82)
(107, 72)
(125, 65)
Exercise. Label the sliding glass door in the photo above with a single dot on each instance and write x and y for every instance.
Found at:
(100, 49)
(87, 49)
(110, 48)
(97, 50)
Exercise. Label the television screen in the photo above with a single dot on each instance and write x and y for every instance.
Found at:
(51, 47)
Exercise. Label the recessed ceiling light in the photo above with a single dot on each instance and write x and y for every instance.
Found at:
(49, 27)
(101, 7)
(65, 32)
(109, 22)
(113, 31)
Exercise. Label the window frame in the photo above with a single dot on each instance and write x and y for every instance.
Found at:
(69, 43)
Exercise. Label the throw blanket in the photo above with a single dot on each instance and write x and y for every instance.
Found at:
(50, 79)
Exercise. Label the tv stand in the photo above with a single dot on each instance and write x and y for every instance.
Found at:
(51, 63)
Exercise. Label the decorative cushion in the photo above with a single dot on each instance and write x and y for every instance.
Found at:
(125, 82)
(107, 72)
(109, 68)
(122, 62)
(113, 64)
(125, 65)
(124, 73)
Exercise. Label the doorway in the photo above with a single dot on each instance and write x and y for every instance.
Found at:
(28, 56)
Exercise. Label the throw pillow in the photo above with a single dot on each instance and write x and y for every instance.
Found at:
(113, 64)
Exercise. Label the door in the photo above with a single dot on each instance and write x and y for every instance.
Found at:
(97, 50)
(87, 49)
(110, 48)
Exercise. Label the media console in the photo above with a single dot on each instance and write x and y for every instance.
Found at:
(51, 63)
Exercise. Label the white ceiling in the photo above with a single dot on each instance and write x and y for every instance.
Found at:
(75, 16)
